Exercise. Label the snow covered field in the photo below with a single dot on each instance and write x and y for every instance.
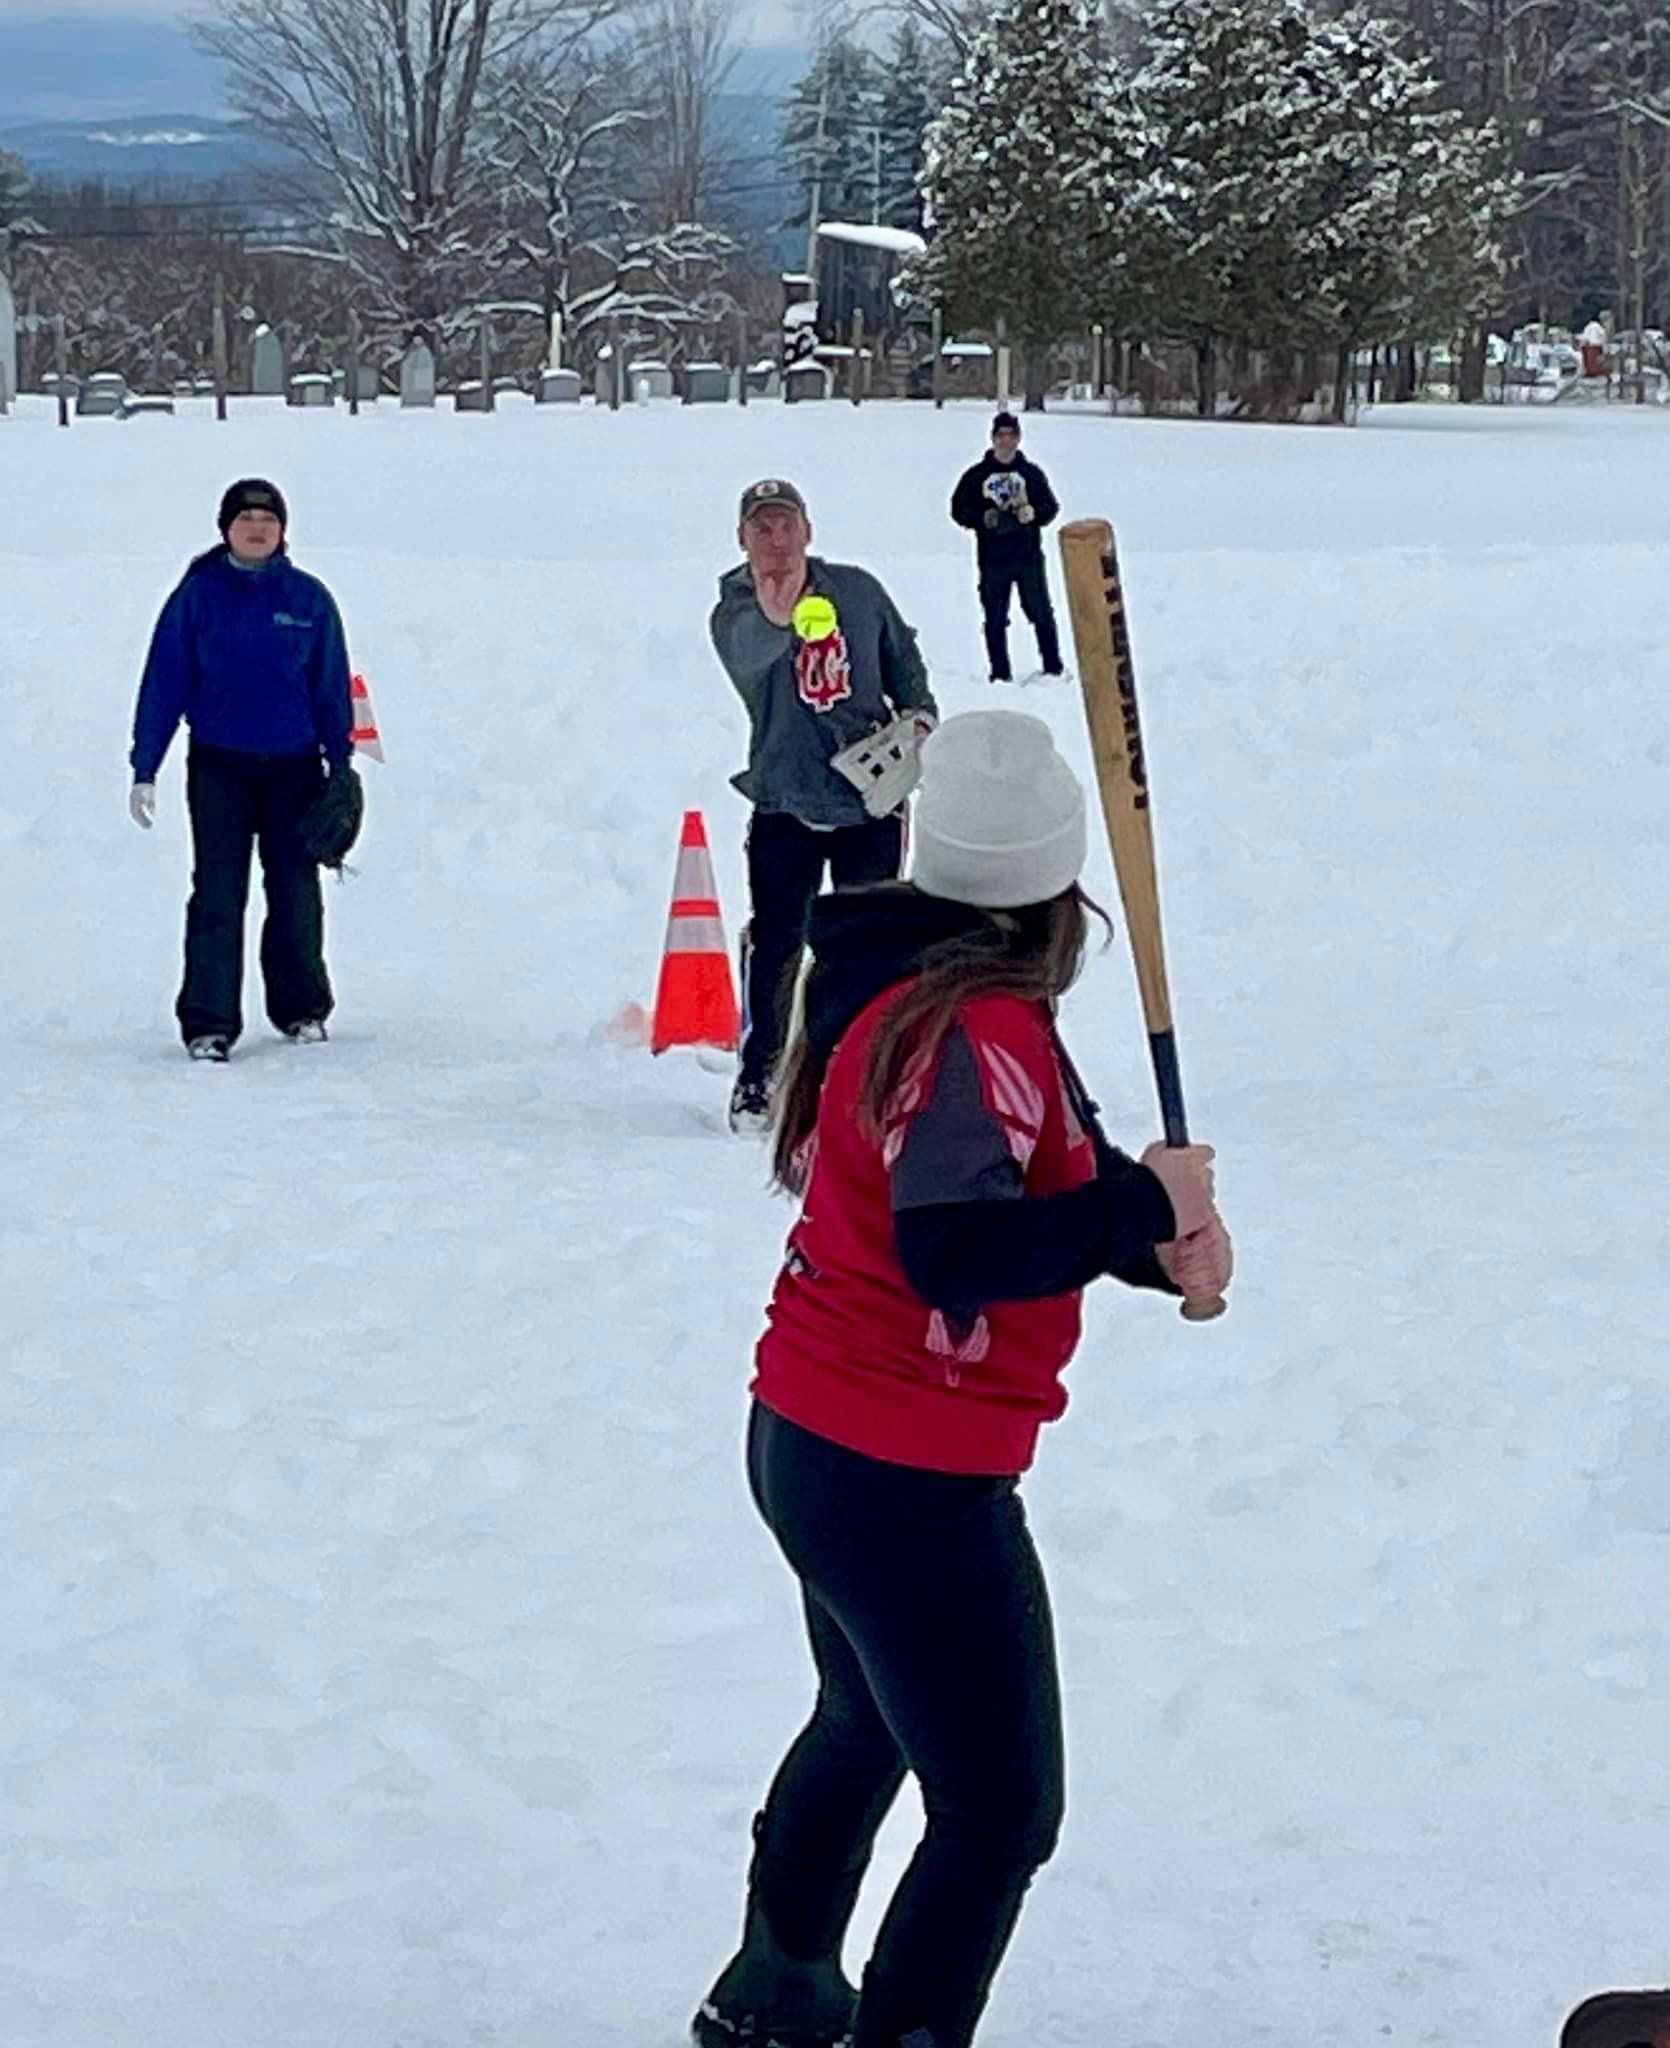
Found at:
(389, 1656)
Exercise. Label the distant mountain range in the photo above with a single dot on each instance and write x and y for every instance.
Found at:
(79, 102)
(144, 150)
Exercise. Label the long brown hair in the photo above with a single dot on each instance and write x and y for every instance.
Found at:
(1036, 953)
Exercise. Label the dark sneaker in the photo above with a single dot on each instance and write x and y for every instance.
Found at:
(211, 1046)
(750, 1114)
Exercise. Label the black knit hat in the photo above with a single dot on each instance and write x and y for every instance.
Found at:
(1006, 423)
(252, 494)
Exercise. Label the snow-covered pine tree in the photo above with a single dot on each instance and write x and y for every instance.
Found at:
(830, 129)
(1212, 109)
(1018, 173)
(1298, 187)
(1387, 210)
(916, 82)
(14, 188)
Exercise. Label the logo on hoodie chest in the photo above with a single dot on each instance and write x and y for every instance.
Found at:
(823, 672)
(290, 619)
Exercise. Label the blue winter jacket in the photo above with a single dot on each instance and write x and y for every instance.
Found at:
(252, 659)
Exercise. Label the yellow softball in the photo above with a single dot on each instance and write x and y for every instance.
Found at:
(815, 618)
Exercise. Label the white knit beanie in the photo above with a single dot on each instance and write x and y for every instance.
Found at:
(1000, 819)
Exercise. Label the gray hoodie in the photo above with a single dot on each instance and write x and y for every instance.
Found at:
(806, 703)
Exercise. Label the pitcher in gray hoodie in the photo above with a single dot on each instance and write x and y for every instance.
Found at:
(820, 657)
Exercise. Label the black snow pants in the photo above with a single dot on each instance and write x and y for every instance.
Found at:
(931, 1632)
(786, 864)
(238, 801)
(1022, 572)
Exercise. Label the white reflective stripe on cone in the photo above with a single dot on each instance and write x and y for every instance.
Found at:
(694, 875)
(696, 935)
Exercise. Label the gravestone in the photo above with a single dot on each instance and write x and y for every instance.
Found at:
(805, 381)
(473, 396)
(558, 387)
(417, 375)
(370, 384)
(266, 376)
(313, 389)
(707, 383)
(102, 396)
(8, 344)
(656, 376)
(183, 387)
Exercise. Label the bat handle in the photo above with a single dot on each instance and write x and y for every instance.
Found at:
(1204, 1308)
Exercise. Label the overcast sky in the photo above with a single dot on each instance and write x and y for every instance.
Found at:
(771, 20)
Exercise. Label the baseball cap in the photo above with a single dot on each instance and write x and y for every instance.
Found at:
(770, 490)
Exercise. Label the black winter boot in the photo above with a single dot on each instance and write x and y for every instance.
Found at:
(766, 1999)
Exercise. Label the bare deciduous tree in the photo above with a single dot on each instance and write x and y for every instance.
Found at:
(380, 100)
(686, 52)
(557, 129)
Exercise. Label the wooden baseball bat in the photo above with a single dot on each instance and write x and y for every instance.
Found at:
(1102, 638)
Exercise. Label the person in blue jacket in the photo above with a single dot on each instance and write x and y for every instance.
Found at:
(250, 652)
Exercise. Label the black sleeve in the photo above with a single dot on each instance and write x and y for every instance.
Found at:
(967, 1232)
(966, 507)
(1043, 498)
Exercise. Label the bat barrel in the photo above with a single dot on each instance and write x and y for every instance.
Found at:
(1107, 675)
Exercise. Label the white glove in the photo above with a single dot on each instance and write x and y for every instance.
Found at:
(1025, 514)
(142, 804)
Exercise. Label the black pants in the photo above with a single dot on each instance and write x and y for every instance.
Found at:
(931, 1631)
(237, 801)
(786, 862)
(999, 574)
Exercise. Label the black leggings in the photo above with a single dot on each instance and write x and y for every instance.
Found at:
(930, 1627)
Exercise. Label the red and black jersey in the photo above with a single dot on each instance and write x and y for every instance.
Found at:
(930, 1298)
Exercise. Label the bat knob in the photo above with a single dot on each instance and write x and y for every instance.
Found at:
(1204, 1308)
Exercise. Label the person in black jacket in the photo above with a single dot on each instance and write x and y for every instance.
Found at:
(1006, 502)
(249, 652)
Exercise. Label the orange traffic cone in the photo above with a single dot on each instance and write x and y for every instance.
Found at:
(367, 739)
(695, 1003)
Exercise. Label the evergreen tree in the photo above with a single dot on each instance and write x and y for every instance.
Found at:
(14, 185)
(1299, 186)
(829, 135)
(916, 84)
(1018, 174)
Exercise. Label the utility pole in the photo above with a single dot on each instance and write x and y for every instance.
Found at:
(875, 177)
(218, 339)
(815, 209)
